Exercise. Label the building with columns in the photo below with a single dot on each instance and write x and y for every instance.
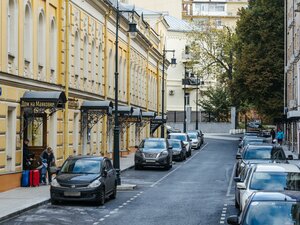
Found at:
(57, 66)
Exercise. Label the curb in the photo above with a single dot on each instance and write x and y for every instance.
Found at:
(17, 213)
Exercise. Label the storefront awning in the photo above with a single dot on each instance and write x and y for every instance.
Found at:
(40, 101)
(93, 111)
(136, 116)
(124, 111)
(156, 123)
(148, 115)
(104, 106)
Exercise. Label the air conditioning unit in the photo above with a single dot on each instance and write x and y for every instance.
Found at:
(292, 104)
(171, 92)
(298, 7)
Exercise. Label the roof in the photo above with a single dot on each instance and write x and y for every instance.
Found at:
(276, 167)
(259, 145)
(137, 112)
(87, 157)
(44, 96)
(124, 110)
(148, 114)
(178, 24)
(276, 196)
(155, 139)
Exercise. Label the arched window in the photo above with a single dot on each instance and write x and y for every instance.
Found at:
(53, 50)
(28, 41)
(12, 35)
(100, 69)
(77, 59)
(41, 41)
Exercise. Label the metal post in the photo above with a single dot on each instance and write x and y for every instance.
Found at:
(116, 157)
(162, 132)
(197, 102)
(184, 110)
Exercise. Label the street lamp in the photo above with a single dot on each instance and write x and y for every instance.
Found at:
(198, 82)
(132, 33)
(173, 64)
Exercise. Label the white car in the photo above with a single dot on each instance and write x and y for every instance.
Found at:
(269, 177)
(195, 139)
(186, 141)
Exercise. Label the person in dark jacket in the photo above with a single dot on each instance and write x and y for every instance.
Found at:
(27, 155)
(273, 134)
(48, 156)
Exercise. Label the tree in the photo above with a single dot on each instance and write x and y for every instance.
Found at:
(216, 102)
(258, 78)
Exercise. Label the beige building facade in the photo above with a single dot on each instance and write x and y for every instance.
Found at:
(57, 67)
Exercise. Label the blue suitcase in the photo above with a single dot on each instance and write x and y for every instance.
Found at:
(25, 178)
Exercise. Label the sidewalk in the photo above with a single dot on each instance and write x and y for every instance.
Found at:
(21, 199)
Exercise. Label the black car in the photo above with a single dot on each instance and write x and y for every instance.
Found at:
(154, 152)
(265, 208)
(254, 154)
(178, 149)
(88, 178)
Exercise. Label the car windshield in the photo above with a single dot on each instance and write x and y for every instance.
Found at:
(275, 181)
(154, 144)
(179, 137)
(81, 166)
(272, 212)
(192, 135)
(175, 144)
(258, 153)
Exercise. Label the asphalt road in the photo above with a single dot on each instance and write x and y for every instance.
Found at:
(198, 191)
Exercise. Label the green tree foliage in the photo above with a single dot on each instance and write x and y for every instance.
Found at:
(216, 103)
(258, 78)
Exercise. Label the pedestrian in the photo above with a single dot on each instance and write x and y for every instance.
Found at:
(48, 155)
(272, 132)
(44, 171)
(27, 155)
(279, 136)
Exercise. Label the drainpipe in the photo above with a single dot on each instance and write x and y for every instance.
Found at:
(66, 112)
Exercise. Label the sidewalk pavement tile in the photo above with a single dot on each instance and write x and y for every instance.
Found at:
(16, 201)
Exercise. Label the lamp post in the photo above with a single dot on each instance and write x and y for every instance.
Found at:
(133, 32)
(197, 90)
(173, 64)
(184, 99)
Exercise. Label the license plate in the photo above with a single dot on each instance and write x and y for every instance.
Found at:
(72, 194)
(150, 160)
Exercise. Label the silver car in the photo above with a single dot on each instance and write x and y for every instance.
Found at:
(186, 140)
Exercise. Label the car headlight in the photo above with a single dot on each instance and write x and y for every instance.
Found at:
(54, 183)
(94, 184)
(164, 153)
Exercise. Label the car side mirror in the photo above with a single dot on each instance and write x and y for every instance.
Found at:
(170, 147)
(136, 146)
(238, 156)
(234, 220)
(290, 157)
(58, 169)
(241, 185)
(237, 179)
(104, 173)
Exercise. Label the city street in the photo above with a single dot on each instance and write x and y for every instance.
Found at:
(194, 192)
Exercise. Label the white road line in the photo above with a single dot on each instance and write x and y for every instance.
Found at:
(230, 182)
(168, 174)
(107, 216)
(222, 222)
(102, 219)
(121, 206)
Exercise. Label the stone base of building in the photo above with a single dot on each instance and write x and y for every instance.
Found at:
(10, 181)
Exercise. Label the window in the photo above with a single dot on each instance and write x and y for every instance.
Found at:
(100, 68)
(41, 46)
(75, 133)
(12, 34)
(53, 50)
(187, 98)
(85, 57)
(125, 77)
(77, 59)
(28, 41)
(35, 131)
(11, 139)
(93, 60)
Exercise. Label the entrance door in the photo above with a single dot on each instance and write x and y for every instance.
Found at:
(36, 132)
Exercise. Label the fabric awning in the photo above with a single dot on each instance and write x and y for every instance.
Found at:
(44, 99)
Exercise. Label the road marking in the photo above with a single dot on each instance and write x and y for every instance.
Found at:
(121, 206)
(102, 219)
(107, 216)
(168, 174)
(223, 214)
(230, 182)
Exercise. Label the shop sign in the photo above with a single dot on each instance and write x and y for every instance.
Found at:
(38, 104)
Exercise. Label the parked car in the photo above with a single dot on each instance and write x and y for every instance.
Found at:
(266, 208)
(255, 154)
(186, 140)
(250, 140)
(87, 178)
(178, 149)
(200, 134)
(154, 152)
(195, 139)
(241, 178)
(269, 177)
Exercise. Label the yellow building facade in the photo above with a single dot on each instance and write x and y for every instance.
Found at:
(57, 67)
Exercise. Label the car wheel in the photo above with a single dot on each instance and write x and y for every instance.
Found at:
(53, 202)
(181, 156)
(114, 193)
(102, 196)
